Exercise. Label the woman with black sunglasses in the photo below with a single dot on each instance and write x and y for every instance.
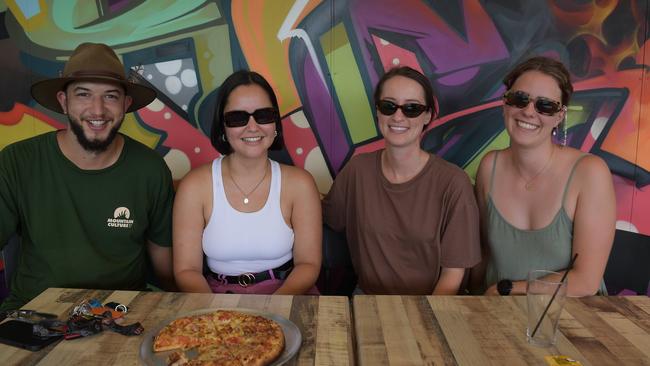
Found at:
(410, 218)
(541, 202)
(257, 222)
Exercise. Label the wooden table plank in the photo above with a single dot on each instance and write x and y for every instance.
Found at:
(491, 330)
(371, 348)
(303, 313)
(457, 332)
(398, 335)
(430, 339)
(325, 324)
(333, 332)
(638, 338)
(603, 343)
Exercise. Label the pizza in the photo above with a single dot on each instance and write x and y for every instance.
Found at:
(222, 337)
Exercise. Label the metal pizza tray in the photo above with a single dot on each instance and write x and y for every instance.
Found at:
(292, 337)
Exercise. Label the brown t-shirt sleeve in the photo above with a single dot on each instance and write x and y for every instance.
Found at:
(460, 239)
(334, 208)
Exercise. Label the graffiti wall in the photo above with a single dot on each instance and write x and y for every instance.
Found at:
(323, 58)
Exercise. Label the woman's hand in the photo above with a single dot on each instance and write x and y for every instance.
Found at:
(492, 291)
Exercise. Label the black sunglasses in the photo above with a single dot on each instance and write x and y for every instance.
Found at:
(542, 105)
(410, 110)
(240, 118)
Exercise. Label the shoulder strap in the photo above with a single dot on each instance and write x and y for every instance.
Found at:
(276, 178)
(573, 169)
(494, 168)
(217, 180)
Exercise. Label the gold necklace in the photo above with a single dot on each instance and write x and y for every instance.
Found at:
(529, 182)
(246, 200)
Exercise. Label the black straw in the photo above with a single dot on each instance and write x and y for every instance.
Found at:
(539, 322)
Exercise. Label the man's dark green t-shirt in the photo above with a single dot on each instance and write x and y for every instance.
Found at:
(81, 228)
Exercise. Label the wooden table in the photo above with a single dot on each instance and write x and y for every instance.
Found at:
(466, 330)
(324, 322)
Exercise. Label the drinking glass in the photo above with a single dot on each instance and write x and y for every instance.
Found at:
(545, 296)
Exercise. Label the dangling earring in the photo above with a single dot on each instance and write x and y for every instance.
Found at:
(223, 137)
(563, 137)
(275, 133)
(560, 131)
(564, 131)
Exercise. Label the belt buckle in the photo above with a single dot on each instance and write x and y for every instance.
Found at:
(246, 279)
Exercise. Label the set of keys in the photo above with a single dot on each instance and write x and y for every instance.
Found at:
(87, 318)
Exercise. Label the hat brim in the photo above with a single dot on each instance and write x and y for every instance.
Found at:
(44, 92)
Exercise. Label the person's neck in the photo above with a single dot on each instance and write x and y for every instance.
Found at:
(530, 160)
(401, 164)
(241, 166)
(88, 160)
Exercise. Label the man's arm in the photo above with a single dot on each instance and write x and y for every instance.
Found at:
(161, 259)
(8, 209)
(159, 233)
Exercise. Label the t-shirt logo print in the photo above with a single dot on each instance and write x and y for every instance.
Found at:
(121, 218)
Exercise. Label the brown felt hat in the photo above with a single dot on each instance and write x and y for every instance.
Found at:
(92, 62)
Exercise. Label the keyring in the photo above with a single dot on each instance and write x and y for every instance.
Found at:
(121, 308)
(83, 309)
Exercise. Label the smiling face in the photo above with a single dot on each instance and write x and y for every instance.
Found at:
(525, 125)
(397, 129)
(253, 139)
(95, 111)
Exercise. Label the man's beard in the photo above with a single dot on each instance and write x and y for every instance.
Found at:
(95, 146)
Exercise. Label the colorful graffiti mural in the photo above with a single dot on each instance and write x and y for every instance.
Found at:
(323, 57)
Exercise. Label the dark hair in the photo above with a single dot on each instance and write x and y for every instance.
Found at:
(545, 65)
(239, 78)
(414, 75)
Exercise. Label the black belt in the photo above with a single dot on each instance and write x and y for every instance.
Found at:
(247, 279)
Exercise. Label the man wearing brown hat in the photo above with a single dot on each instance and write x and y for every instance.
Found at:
(88, 202)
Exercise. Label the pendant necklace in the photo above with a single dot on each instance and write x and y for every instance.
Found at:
(246, 200)
(529, 182)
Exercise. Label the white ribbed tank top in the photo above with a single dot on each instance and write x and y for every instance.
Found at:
(239, 242)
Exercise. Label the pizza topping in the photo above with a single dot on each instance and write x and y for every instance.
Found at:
(223, 337)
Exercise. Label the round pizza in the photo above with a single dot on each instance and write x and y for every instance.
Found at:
(223, 337)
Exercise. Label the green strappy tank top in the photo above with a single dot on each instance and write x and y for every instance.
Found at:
(514, 252)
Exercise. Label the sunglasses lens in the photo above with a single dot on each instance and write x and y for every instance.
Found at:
(265, 115)
(546, 106)
(412, 110)
(387, 108)
(517, 99)
(235, 118)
